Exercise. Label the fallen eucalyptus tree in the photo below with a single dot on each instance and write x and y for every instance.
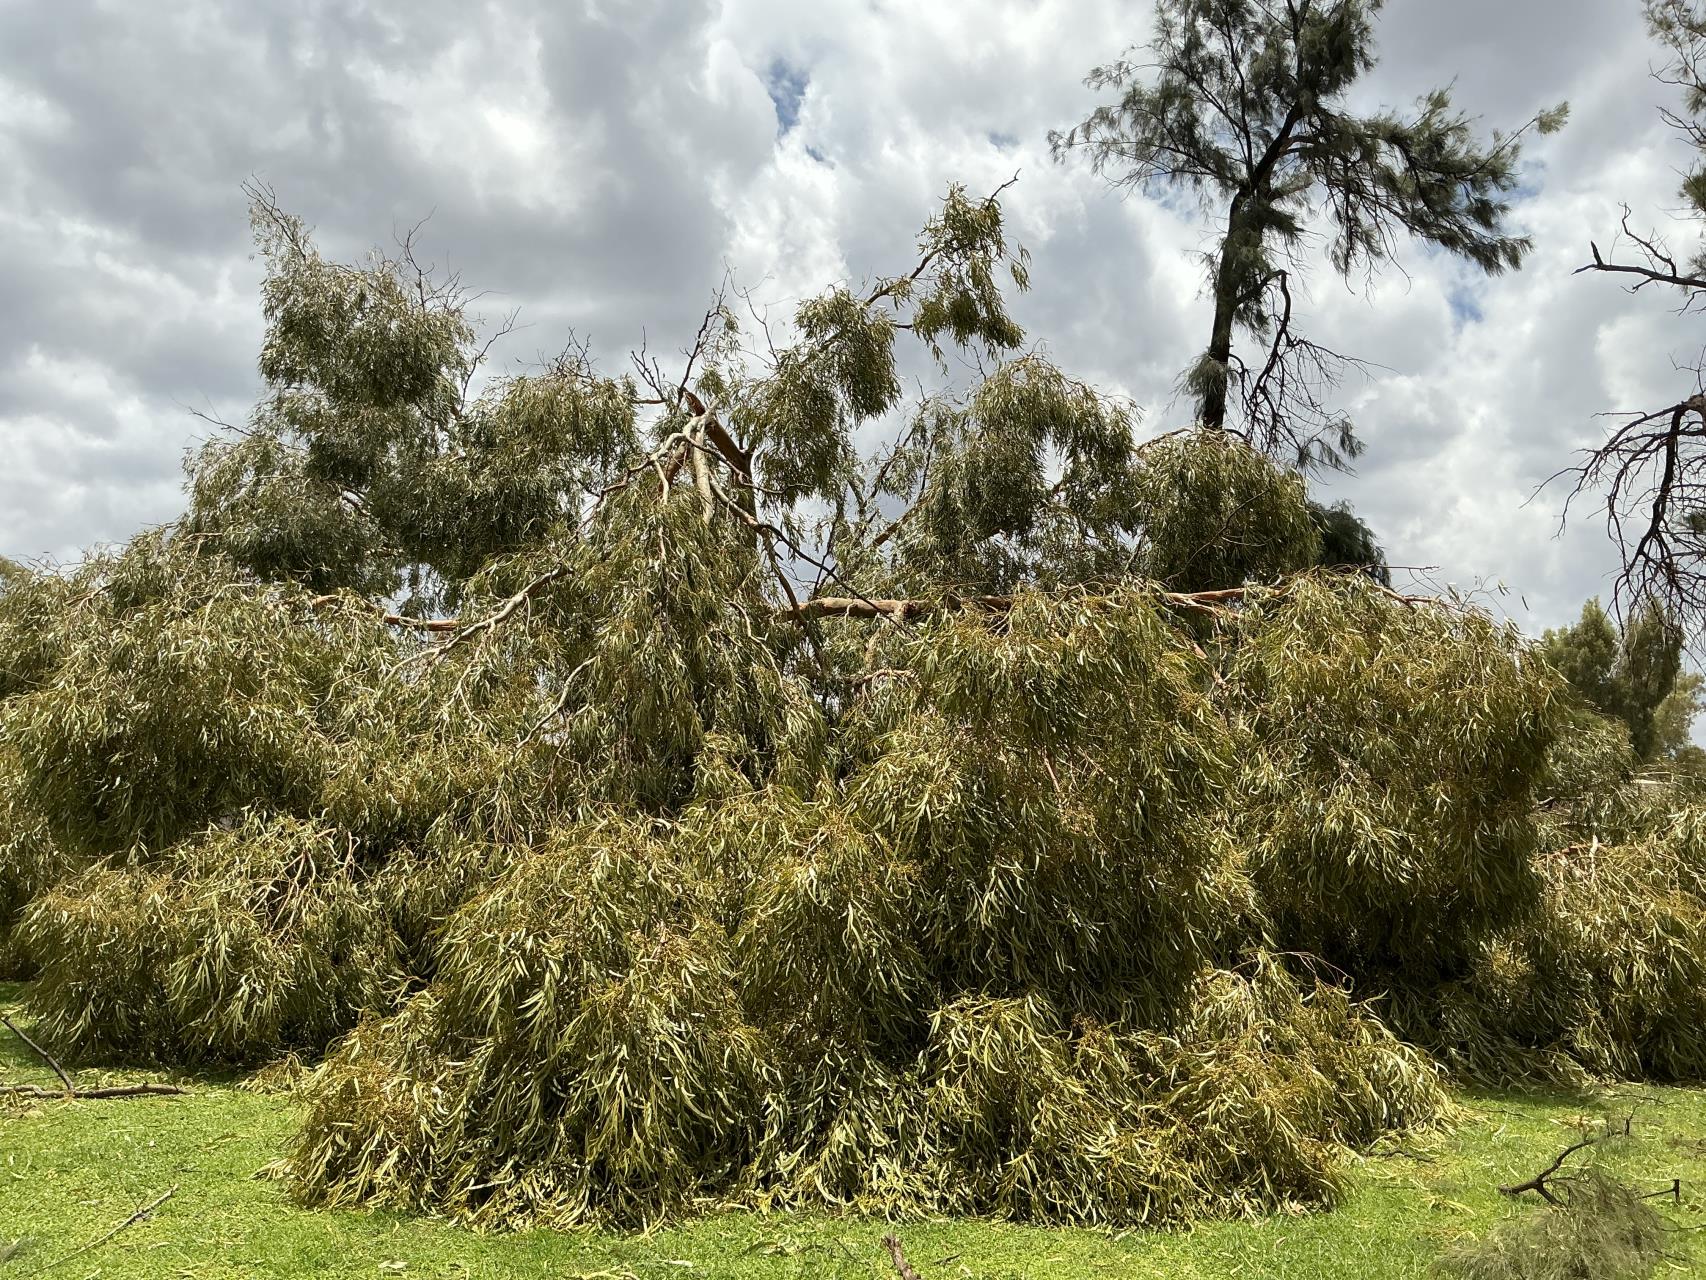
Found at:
(654, 793)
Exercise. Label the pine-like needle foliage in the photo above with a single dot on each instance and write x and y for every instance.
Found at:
(1244, 103)
(1603, 1230)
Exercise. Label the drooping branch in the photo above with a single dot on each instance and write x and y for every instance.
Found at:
(1285, 401)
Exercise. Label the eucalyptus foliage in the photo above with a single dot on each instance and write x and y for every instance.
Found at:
(1388, 808)
(1625, 672)
(649, 793)
(30, 863)
(246, 941)
(1226, 515)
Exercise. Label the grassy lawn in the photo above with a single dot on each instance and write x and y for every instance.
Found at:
(72, 1171)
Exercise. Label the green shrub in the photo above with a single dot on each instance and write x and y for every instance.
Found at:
(182, 698)
(583, 1056)
(586, 1058)
(1016, 1111)
(1216, 513)
(1056, 781)
(1618, 969)
(30, 862)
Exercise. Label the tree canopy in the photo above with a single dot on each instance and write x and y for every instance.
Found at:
(1627, 673)
(1243, 103)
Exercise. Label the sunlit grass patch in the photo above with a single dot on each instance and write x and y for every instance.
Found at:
(69, 1172)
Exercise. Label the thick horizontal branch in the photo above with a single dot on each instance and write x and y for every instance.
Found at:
(904, 610)
(1646, 275)
(390, 619)
(70, 1092)
(899, 610)
(1662, 271)
(894, 609)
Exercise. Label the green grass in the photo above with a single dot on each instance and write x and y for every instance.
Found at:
(71, 1171)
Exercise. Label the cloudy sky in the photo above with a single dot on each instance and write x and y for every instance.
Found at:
(597, 164)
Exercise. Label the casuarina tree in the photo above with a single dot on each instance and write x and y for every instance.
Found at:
(1243, 102)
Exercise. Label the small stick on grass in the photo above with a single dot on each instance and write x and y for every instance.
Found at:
(900, 1263)
(134, 1218)
(1674, 1191)
(41, 1053)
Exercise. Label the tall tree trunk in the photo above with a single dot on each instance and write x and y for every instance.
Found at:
(1219, 356)
(1218, 359)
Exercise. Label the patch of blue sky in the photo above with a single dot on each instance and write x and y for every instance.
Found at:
(786, 86)
(1465, 305)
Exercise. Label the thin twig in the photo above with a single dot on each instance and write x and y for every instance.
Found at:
(134, 1218)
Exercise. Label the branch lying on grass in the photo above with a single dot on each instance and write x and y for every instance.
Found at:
(94, 1095)
(1539, 1182)
(71, 1092)
(134, 1218)
(892, 1243)
(40, 1052)
(1674, 1191)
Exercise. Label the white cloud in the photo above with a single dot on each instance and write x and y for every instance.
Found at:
(598, 164)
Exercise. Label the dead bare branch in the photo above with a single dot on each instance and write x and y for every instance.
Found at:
(41, 1053)
(898, 1256)
(1540, 1182)
(95, 1095)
